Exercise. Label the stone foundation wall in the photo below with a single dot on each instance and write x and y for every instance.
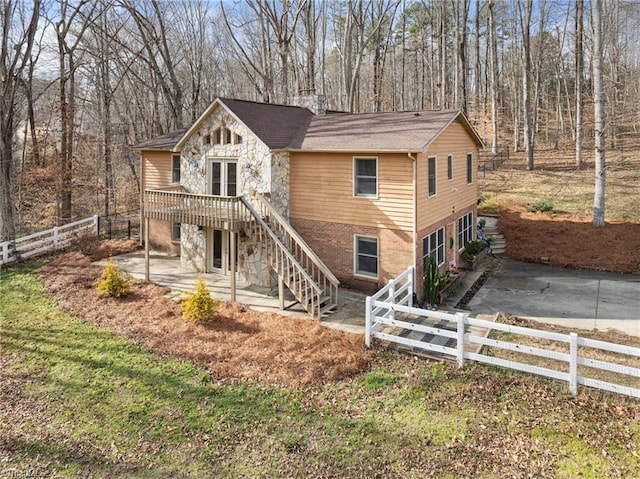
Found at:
(194, 248)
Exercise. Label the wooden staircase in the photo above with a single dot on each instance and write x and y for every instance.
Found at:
(297, 266)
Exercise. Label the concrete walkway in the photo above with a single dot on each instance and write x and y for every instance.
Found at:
(567, 297)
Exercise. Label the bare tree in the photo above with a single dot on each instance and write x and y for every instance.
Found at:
(579, 39)
(599, 111)
(18, 34)
(493, 77)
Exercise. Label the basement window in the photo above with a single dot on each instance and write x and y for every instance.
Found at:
(366, 256)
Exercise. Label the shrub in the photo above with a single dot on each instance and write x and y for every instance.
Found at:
(199, 305)
(542, 206)
(114, 282)
(472, 248)
(490, 206)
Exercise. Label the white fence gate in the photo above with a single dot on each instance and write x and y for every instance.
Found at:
(396, 297)
(48, 240)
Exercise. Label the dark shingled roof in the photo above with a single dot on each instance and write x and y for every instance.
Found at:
(282, 127)
(278, 126)
(163, 142)
(399, 131)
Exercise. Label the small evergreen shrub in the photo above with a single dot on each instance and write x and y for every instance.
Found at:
(472, 248)
(199, 305)
(542, 206)
(114, 282)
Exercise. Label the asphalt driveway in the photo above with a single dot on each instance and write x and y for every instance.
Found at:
(543, 291)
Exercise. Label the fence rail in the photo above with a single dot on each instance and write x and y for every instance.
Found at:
(381, 310)
(49, 240)
(489, 161)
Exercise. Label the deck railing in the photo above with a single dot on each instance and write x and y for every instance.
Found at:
(301, 251)
(311, 282)
(223, 212)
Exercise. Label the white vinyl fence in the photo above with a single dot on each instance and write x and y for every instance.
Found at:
(48, 240)
(396, 297)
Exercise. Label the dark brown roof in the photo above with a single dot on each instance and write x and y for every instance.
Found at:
(278, 126)
(163, 142)
(283, 127)
(399, 131)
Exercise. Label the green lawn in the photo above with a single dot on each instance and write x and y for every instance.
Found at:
(79, 401)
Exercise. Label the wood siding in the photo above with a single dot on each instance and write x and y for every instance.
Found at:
(157, 169)
(322, 190)
(452, 196)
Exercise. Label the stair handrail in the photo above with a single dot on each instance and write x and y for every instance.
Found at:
(280, 245)
(298, 239)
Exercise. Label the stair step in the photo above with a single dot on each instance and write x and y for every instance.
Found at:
(326, 309)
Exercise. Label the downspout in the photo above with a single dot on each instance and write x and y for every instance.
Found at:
(142, 179)
(415, 213)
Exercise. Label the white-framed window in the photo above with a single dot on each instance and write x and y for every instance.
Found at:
(465, 229)
(450, 167)
(365, 177)
(433, 244)
(175, 168)
(238, 139)
(469, 168)
(217, 137)
(366, 256)
(431, 176)
(175, 232)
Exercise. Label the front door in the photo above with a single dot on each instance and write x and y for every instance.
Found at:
(223, 177)
(219, 250)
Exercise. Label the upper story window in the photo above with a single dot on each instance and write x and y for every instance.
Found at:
(450, 167)
(365, 177)
(217, 135)
(175, 169)
(207, 139)
(469, 167)
(227, 136)
(238, 139)
(431, 175)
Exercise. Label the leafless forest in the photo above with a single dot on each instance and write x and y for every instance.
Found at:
(82, 81)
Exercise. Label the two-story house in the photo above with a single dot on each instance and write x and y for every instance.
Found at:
(311, 198)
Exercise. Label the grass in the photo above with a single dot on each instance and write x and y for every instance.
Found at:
(79, 401)
(556, 181)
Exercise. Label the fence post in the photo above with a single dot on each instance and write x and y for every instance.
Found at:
(56, 239)
(411, 290)
(573, 364)
(5, 252)
(460, 322)
(96, 224)
(391, 299)
(367, 322)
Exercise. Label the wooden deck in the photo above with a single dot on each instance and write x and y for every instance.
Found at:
(176, 205)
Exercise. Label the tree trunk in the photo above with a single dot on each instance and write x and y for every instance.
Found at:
(525, 18)
(493, 78)
(579, 30)
(599, 111)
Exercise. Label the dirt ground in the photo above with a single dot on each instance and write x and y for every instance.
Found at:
(570, 240)
(237, 344)
(240, 344)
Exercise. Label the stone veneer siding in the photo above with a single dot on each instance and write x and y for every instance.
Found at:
(334, 244)
(259, 169)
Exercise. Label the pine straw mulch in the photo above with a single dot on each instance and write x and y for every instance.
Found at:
(237, 344)
(570, 240)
